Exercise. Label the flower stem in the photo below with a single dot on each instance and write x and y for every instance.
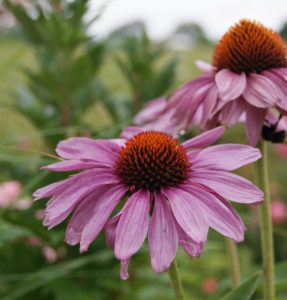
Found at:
(175, 280)
(234, 261)
(266, 225)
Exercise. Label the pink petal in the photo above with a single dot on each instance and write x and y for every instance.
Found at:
(281, 86)
(228, 185)
(130, 132)
(104, 152)
(186, 99)
(110, 231)
(232, 112)
(162, 235)
(70, 165)
(120, 142)
(52, 189)
(219, 213)
(209, 104)
(254, 122)
(188, 214)
(103, 208)
(97, 176)
(164, 123)
(189, 245)
(230, 85)
(60, 206)
(204, 67)
(204, 139)
(260, 91)
(124, 269)
(226, 157)
(150, 111)
(281, 72)
(85, 212)
(133, 225)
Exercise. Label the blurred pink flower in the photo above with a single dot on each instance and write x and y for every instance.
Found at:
(39, 214)
(33, 241)
(278, 212)
(9, 192)
(183, 184)
(247, 77)
(209, 286)
(50, 254)
(23, 204)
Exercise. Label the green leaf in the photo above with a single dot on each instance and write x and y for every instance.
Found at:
(245, 290)
(10, 232)
(43, 277)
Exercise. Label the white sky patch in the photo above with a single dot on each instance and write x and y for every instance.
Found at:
(162, 16)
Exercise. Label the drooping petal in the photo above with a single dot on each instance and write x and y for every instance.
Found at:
(281, 86)
(124, 269)
(150, 111)
(228, 185)
(219, 213)
(230, 85)
(226, 157)
(133, 225)
(70, 165)
(110, 231)
(204, 139)
(162, 235)
(232, 111)
(52, 189)
(204, 67)
(189, 245)
(84, 212)
(129, 132)
(102, 151)
(188, 214)
(260, 91)
(164, 123)
(105, 205)
(187, 98)
(254, 122)
(93, 177)
(209, 104)
(62, 205)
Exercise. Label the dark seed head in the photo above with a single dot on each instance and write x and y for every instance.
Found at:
(250, 47)
(152, 160)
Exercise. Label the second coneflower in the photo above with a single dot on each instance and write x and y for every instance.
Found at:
(248, 75)
(181, 186)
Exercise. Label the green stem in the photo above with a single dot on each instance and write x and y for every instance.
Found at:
(266, 225)
(234, 261)
(175, 281)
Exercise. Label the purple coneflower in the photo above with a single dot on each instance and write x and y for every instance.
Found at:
(181, 186)
(248, 75)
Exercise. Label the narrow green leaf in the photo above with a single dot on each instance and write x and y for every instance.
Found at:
(245, 290)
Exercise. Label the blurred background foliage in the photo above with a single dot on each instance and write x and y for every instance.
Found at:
(57, 81)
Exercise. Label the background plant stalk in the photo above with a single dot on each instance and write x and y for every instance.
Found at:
(266, 224)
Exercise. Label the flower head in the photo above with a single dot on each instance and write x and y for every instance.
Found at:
(248, 76)
(250, 47)
(181, 186)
